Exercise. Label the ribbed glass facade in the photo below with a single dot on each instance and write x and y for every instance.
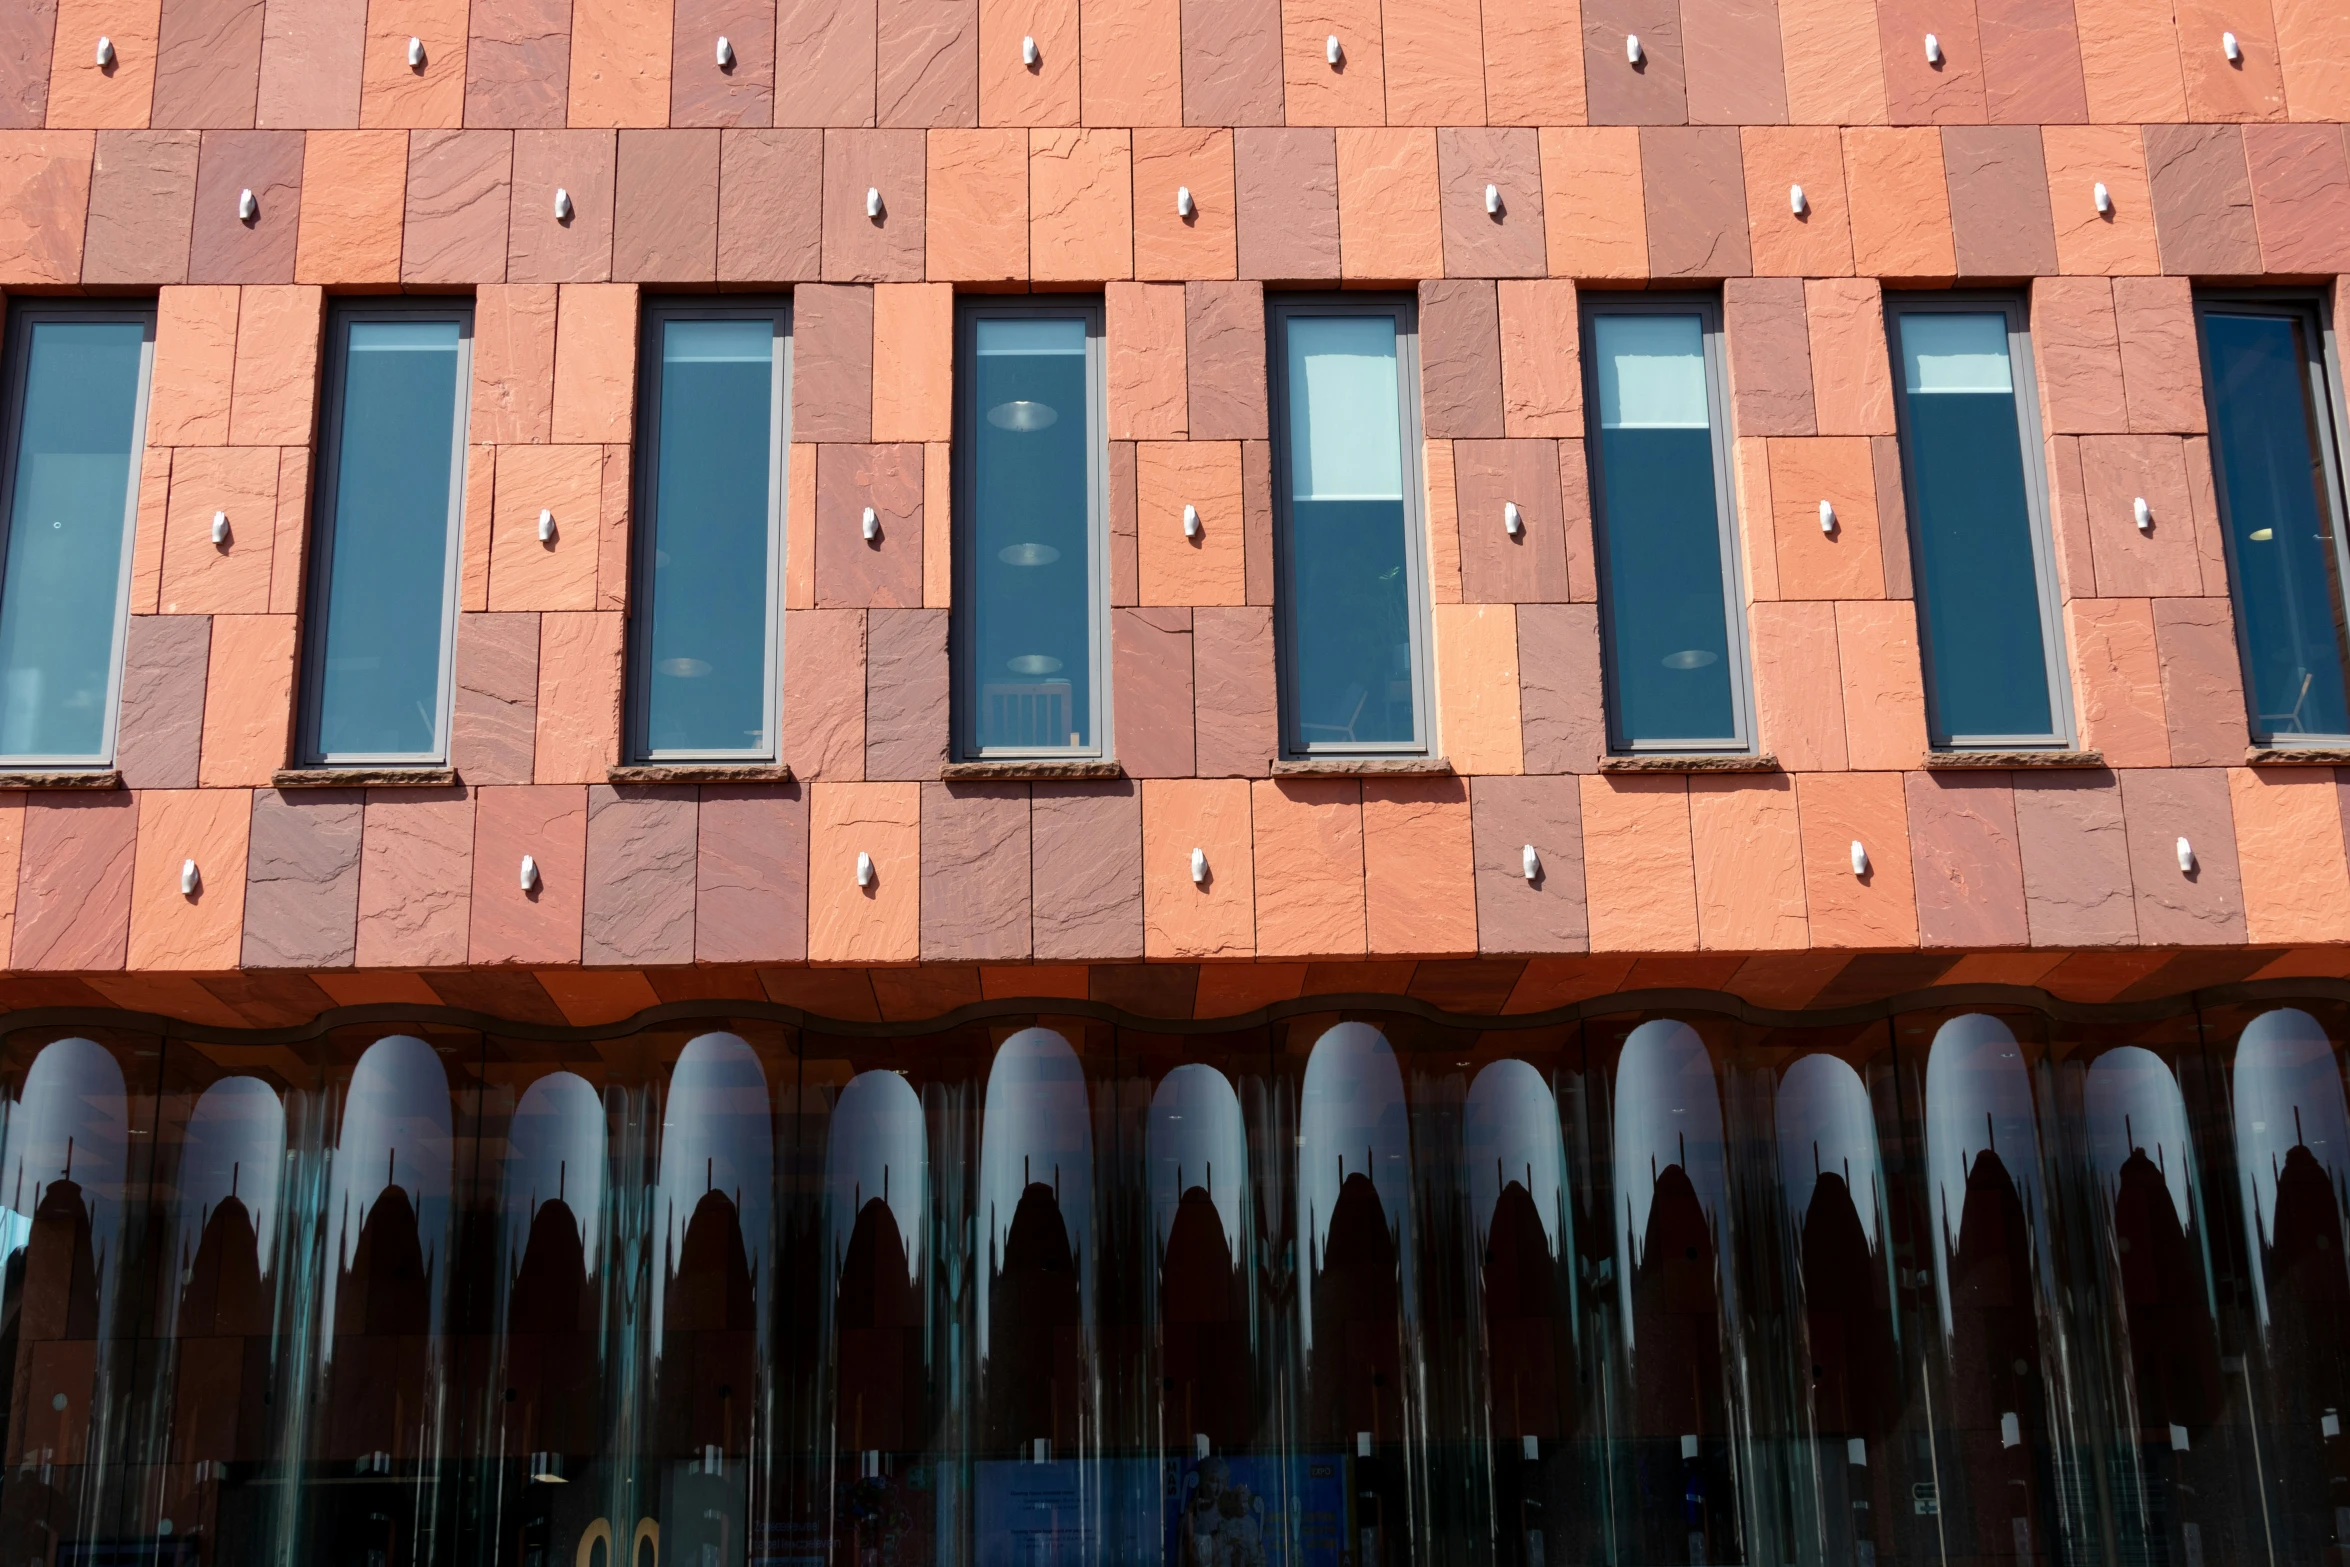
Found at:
(1982, 1284)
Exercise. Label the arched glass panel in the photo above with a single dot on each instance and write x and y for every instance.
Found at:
(1198, 1154)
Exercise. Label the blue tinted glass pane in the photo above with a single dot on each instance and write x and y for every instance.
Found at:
(74, 463)
(2286, 557)
(1978, 583)
(1032, 537)
(386, 591)
(706, 641)
(1661, 522)
(1350, 601)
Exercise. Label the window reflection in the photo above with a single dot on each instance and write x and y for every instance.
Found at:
(1671, 1210)
(1198, 1155)
(1983, 1170)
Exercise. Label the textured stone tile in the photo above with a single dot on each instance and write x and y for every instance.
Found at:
(1231, 62)
(2080, 158)
(665, 207)
(832, 363)
(26, 32)
(1419, 866)
(1534, 62)
(1694, 181)
(1746, 846)
(1460, 360)
(1732, 54)
(906, 694)
(1900, 205)
(200, 930)
(578, 736)
(2076, 356)
(977, 225)
(1840, 809)
(2202, 200)
(2117, 471)
(73, 892)
(853, 572)
(302, 879)
(1918, 92)
(1482, 244)
(232, 577)
(248, 696)
(1477, 686)
(1967, 860)
(1769, 347)
(2077, 884)
(879, 922)
(1619, 92)
(1256, 504)
(1147, 384)
(1514, 913)
(2203, 907)
(1389, 221)
(493, 728)
(2300, 197)
(1125, 568)
(1496, 566)
(976, 859)
(1167, 244)
(1833, 76)
(1892, 516)
(430, 96)
(1012, 92)
(1852, 383)
(416, 877)
(223, 249)
(459, 196)
(1637, 865)
(1816, 242)
(641, 860)
(1224, 360)
(1086, 870)
(518, 64)
(703, 92)
(1564, 725)
(914, 334)
(1150, 663)
(142, 207)
(825, 62)
(1541, 358)
(1812, 564)
(770, 218)
(824, 693)
(2202, 681)
(44, 205)
(2219, 89)
(1133, 63)
(929, 63)
(2130, 62)
(542, 924)
(118, 95)
(274, 402)
(1884, 691)
(354, 196)
(1351, 92)
(1237, 729)
(194, 367)
(1999, 215)
(526, 572)
(2117, 681)
(514, 364)
(620, 62)
(1799, 711)
(313, 55)
(541, 247)
(2031, 64)
(1080, 205)
(1287, 198)
(1435, 65)
(161, 721)
(751, 874)
(595, 363)
(2161, 369)
(2289, 843)
(1307, 846)
(1593, 203)
(2313, 46)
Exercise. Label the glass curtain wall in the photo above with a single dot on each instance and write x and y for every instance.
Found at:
(1970, 1286)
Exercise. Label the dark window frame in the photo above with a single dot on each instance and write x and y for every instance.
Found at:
(318, 579)
(1708, 308)
(1280, 310)
(15, 361)
(2023, 376)
(645, 483)
(963, 482)
(2322, 384)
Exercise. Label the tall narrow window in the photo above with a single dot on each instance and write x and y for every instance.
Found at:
(1352, 591)
(1986, 575)
(711, 484)
(391, 498)
(2273, 444)
(77, 416)
(1033, 506)
(1669, 597)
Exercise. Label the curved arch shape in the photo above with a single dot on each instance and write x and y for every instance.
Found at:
(1510, 1132)
(1827, 1125)
(1352, 1100)
(879, 1147)
(717, 1135)
(1668, 1116)
(71, 1123)
(397, 1132)
(1196, 1141)
(1978, 1102)
(1036, 1129)
(646, 1529)
(234, 1145)
(555, 1149)
(2134, 1106)
(2289, 1110)
(598, 1531)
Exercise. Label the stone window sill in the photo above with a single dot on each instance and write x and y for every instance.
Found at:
(364, 778)
(2297, 756)
(1363, 767)
(699, 773)
(74, 778)
(1691, 762)
(1963, 761)
(1014, 769)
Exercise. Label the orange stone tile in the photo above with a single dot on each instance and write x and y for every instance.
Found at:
(2130, 61)
(1798, 685)
(288, 557)
(1435, 64)
(1230, 989)
(83, 93)
(1477, 687)
(1133, 65)
(880, 922)
(1175, 569)
(1816, 242)
(1746, 845)
(1308, 866)
(2080, 158)
(620, 60)
(1593, 213)
(1534, 62)
(1878, 909)
(188, 394)
(275, 398)
(1148, 389)
(354, 203)
(427, 97)
(587, 997)
(513, 363)
(2117, 681)
(1852, 376)
(1541, 358)
(799, 529)
(1012, 92)
(2289, 845)
(1750, 474)
(527, 573)
(1884, 688)
(204, 929)
(595, 362)
(2216, 90)
(473, 547)
(2313, 42)
(1315, 92)
(1214, 918)
(975, 224)
(1444, 522)
(147, 531)
(914, 339)
(509, 923)
(1167, 244)
(231, 577)
(1081, 205)
(578, 734)
(1813, 563)
(248, 700)
(612, 564)
(1389, 225)
(1900, 205)
(44, 205)
(938, 534)
(1834, 74)
(1637, 863)
(1419, 867)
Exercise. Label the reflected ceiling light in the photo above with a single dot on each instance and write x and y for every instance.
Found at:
(1691, 658)
(683, 668)
(1028, 554)
(1034, 664)
(2262, 535)
(1022, 415)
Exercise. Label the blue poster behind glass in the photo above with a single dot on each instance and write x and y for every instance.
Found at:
(1257, 1511)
